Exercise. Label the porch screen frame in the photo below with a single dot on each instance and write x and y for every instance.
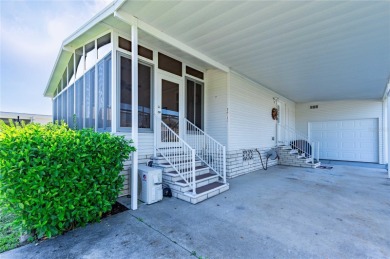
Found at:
(152, 94)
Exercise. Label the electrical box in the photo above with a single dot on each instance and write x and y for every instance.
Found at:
(151, 184)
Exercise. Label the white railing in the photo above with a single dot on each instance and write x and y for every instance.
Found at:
(177, 152)
(207, 149)
(306, 148)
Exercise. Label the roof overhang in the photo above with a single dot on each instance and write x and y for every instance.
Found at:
(305, 51)
(89, 30)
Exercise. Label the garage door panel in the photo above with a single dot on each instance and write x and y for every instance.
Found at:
(348, 125)
(332, 125)
(317, 126)
(332, 146)
(348, 135)
(367, 124)
(317, 135)
(331, 134)
(366, 135)
(352, 140)
(350, 156)
(348, 145)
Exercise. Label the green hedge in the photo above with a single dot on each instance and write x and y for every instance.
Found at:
(54, 178)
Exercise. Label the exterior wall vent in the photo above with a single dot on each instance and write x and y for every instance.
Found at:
(313, 107)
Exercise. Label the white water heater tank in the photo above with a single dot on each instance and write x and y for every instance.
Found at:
(151, 182)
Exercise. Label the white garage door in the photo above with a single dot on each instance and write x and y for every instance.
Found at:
(348, 140)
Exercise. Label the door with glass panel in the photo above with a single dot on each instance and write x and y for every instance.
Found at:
(194, 103)
(169, 109)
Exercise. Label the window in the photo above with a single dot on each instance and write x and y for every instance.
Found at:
(90, 99)
(59, 108)
(55, 109)
(104, 45)
(79, 103)
(125, 92)
(64, 106)
(170, 105)
(58, 90)
(90, 55)
(144, 94)
(145, 52)
(124, 44)
(70, 92)
(64, 80)
(169, 64)
(142, 51)
(195, 103)
(79, 58)
(193, 72)
(71, 71)
(104, 94)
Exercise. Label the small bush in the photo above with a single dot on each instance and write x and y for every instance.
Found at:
(53, 178)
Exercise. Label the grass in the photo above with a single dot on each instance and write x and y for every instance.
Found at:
(9, 235)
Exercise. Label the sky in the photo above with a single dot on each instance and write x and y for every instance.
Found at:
(31, 33)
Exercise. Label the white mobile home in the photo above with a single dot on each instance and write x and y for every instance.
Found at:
(194, 84)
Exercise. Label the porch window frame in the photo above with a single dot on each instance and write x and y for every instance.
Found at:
(105, 128)
(143, 61)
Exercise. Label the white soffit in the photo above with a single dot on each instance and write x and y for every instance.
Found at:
(306, 51)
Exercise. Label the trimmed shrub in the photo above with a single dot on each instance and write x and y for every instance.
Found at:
(54, 178)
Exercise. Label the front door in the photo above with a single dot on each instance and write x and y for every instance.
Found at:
(169, 109)
(281, 123)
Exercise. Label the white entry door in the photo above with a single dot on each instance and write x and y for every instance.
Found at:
(169, 107)
(348, 140)
(282, 122)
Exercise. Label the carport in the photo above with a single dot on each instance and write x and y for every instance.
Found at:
(285, 212)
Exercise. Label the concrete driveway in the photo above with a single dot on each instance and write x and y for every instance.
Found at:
(284, 212)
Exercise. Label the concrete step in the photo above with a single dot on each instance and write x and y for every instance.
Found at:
(168, 168)
(173, 176)
(315, 165)
(201, 180)
(205, 192)
(285, 147)
(159, 157)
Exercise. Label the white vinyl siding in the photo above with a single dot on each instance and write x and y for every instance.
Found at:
(339, 111)
(215, 105)
(250, 121)
(145, 145)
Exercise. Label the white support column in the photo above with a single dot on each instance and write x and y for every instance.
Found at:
(134, 114)
(384, 132)
(114, 87)
(387, 133)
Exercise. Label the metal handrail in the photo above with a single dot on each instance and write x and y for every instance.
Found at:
(308, 148)
(180, 155)
(207, 149)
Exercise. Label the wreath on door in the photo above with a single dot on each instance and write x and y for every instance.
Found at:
(274, 113)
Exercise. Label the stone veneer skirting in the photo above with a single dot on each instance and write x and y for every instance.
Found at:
(243, 161)
(126, 172)
(236, 165)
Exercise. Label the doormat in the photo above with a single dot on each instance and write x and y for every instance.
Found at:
(325, 167)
